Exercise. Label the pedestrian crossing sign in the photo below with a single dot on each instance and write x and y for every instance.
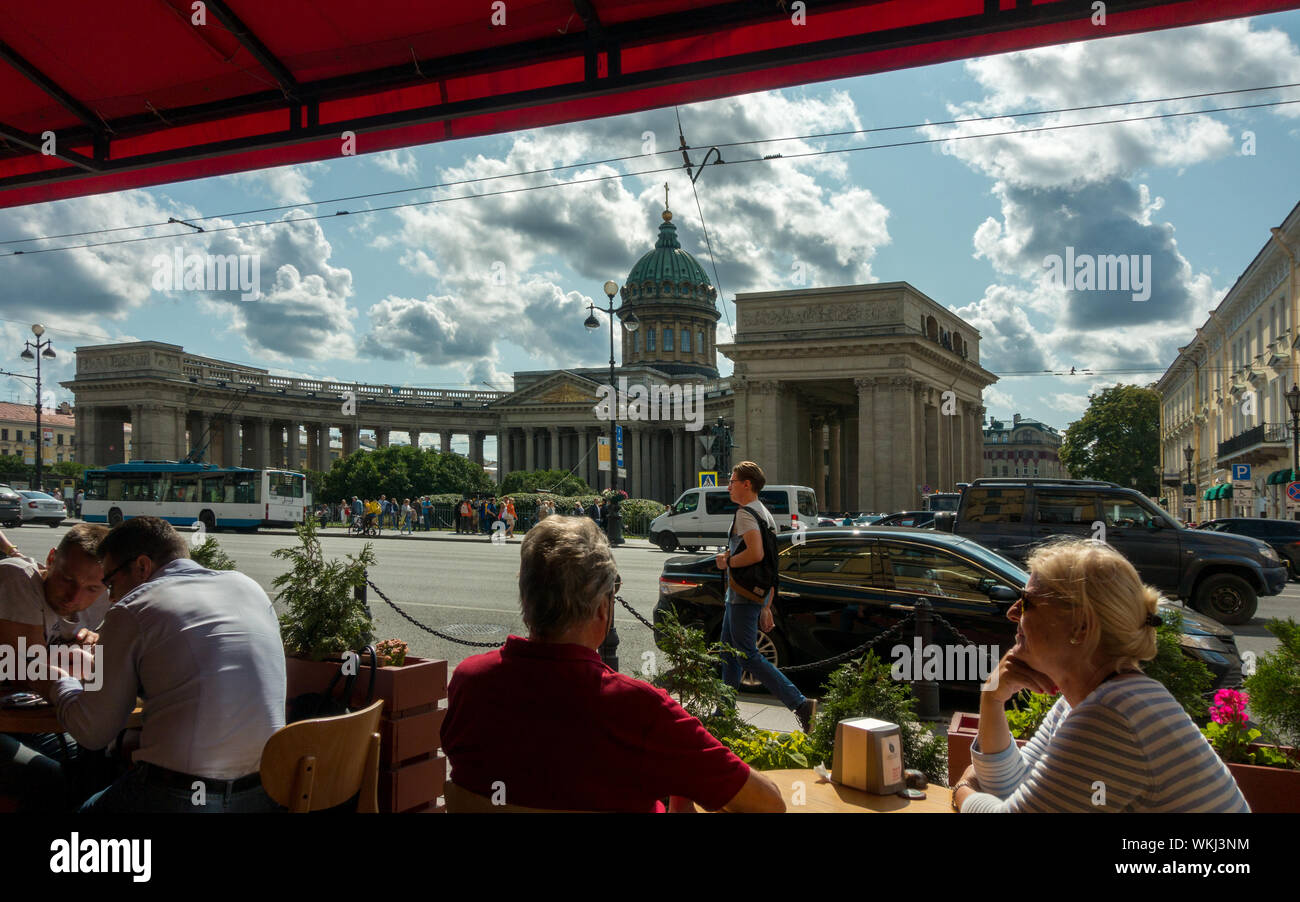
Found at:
(708, 478)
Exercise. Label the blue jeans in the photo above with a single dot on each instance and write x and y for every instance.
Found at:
(133, 793)
(740, 631)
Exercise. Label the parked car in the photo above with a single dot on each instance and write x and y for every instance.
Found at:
(702, 516)
(1282, 535)
(914, 519)
(838, 586)
(1221, 575)
(11, 507)
(38, 507)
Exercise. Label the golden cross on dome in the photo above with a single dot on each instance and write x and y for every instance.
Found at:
(665, 195)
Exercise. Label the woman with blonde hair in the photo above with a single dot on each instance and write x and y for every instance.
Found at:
(1116, 740)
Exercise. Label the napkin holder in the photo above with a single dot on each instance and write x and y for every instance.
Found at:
(868, 755)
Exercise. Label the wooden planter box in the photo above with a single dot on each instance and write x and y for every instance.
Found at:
(411, 769)
(963, 729)
(1266, 789)
(1269, 790)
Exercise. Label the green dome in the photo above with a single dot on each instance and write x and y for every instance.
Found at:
(668, 273)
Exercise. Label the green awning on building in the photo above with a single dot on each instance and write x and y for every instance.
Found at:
(1281, 477)
(1215, 492)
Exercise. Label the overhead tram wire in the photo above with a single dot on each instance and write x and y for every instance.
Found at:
(704, 226)
(648, 172)
(622, 159)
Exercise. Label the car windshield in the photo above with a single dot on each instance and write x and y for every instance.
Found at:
(995, 562)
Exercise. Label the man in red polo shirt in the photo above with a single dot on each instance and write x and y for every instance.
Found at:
(543, 723)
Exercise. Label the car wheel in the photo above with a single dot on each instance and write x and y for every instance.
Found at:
(115, 517)
(691, 549)
(667, 542)
(55, 524)
(1227, 598)
(770, 646)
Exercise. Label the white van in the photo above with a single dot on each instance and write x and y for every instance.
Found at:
(703, 516)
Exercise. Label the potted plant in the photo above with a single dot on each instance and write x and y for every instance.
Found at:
(327, 620)
(1268, 775)
(867, 688)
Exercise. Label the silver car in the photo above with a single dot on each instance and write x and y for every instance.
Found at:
(10, 507)
(38, 507)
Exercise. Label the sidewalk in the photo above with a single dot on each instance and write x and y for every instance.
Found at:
(438, 535)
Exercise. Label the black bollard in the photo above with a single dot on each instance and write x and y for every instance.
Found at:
(609, 648)
(614, 523)
(926, 691)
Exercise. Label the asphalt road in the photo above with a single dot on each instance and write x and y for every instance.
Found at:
(469, 589)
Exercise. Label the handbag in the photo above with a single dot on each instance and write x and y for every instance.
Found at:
(326, 704)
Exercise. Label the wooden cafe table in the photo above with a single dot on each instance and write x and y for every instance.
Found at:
(42, 719)
(822, 796)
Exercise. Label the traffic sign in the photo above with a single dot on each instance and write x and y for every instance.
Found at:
(618, 441)
(710, 478)
(1241, 472)
(602, 453)
(708, 461)
(1293, 491)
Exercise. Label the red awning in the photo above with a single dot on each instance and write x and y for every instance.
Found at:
(99, 96)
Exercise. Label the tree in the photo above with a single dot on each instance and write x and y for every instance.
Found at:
(561, 482)
(402, 471)
(1118, 439)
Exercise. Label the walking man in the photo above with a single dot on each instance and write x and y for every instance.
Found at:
(751, 589)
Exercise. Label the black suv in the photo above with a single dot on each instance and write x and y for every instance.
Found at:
(1221, 575)
(1283, 535)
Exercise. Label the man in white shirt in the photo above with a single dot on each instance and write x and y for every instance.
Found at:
(203, 650)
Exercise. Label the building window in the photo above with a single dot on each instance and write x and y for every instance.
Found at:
(4, 435)
(60, 455)
(699, 339)
(668, 339)
(686, 341)
(650, 339)
(59, 439)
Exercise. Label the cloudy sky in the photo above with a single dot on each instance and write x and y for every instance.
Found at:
(467, 289)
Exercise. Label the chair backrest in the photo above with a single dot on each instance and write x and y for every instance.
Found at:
(462, 801)
(323, 762)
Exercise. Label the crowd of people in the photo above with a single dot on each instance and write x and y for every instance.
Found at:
(202, 650)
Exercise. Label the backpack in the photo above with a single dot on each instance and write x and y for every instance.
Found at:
(754, 582)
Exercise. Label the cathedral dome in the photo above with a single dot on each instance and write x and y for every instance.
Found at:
(668, 274)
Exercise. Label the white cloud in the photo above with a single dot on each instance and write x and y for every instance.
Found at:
(398, 162)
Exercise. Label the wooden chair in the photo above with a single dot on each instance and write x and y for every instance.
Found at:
(462, 801)
(323, 762)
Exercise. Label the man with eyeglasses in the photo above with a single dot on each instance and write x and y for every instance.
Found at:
(543, 723)
(202, 649)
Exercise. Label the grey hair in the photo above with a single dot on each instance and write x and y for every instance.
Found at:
(565, 572)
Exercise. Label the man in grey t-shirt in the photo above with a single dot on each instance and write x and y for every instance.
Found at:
(743, 618)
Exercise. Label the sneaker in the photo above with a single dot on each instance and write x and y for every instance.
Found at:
(805, 713)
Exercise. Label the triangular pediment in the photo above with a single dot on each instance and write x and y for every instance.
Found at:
(562, 387)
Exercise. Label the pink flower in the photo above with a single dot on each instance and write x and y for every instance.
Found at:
(1229, 706)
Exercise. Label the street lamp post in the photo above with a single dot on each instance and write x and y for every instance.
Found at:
(1293, 402)
(36, 351)
(613, 519)
(1188, 453)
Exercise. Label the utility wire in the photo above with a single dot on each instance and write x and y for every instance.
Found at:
(642, 173)
(637, 156)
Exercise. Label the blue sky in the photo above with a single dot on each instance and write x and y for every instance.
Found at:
(463, 293)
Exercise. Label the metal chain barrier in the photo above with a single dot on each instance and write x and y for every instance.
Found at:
(633, 611)
(952, 630)
(429, 629)
(892, 633)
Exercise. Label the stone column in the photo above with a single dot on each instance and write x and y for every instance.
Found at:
(381, 438)
(231, 444)
(591, 435)
(293, 457)
(413, 435)
(476, 446)
(503, 454)
(553, 456)
(323, 446)
(867, 489)
(676, 482)
(351, 435)
(740, 410)
(633, 461)
(836, 496)
(182, 443)
(276, 446)
(263, 438)
(84, 423)
(445, 439)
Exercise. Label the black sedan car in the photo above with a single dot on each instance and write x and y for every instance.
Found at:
(1282, 535)
(839, 587)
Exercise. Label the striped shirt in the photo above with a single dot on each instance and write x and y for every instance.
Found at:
(1129, 746)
